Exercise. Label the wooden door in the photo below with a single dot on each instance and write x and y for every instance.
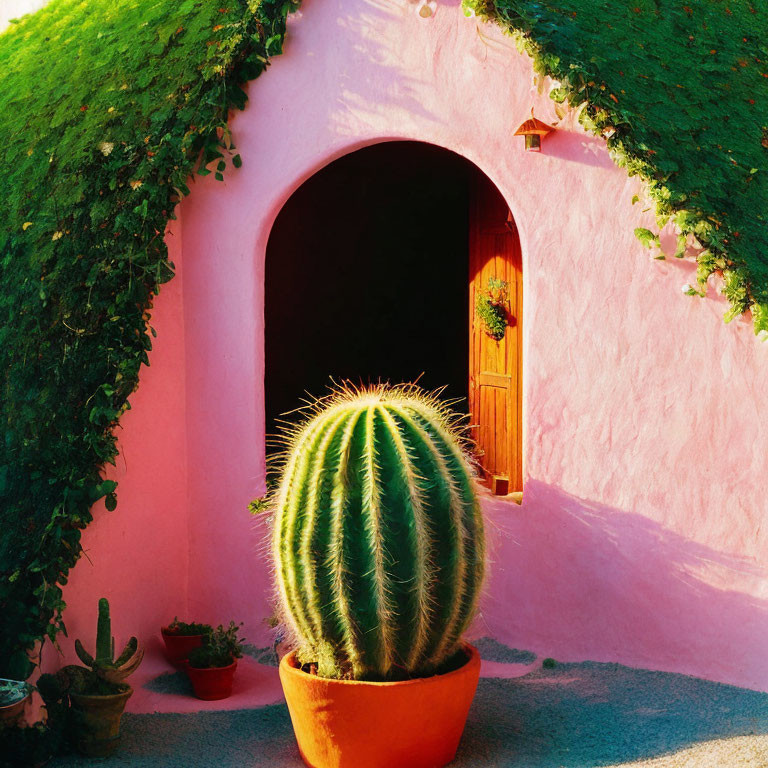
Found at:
(495, 367)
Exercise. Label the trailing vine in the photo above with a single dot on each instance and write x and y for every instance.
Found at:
(680, 92)
(107, 108)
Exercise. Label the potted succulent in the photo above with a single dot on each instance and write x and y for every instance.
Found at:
(491, 308)
(180, 638)
(378, 550)
(211, 667)
(98, 692)
(14, 695)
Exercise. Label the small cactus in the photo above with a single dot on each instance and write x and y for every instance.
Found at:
(104, 664)
(378, 535)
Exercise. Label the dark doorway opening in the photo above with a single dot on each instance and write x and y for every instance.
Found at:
(367, 276)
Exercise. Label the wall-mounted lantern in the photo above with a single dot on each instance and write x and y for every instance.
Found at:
(533, 130)
(427, 8)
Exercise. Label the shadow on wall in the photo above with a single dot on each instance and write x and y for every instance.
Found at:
(578, 580)
(577, 148)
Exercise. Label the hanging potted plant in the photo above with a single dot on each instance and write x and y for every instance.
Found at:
(98, 692)
(491, 308)
(211, 667)
(379, 558)
(180, 638)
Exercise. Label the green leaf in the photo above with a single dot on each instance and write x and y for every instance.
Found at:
(682, 245)
(646, 237)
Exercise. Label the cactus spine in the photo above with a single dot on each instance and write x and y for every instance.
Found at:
(378, 535)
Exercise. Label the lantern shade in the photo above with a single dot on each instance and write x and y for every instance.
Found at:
(533, 130)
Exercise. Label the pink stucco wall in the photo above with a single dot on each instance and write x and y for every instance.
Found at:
(642, 536)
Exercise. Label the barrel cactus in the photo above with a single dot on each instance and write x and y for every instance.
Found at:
(378, 535)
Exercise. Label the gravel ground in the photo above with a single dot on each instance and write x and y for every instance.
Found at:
(741, 751)
(573, 716)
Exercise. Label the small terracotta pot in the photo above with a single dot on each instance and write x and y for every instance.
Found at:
(214, 683)
(13, 714)
(356, 724)
(177, 647)
(97, 721)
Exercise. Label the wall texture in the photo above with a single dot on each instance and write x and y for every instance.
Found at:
(642, 536)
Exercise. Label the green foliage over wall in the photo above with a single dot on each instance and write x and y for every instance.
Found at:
(685, 88)
(105, 107)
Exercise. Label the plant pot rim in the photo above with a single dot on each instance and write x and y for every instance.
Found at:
(289, 666)
(209, 669)
(102, 697)
(17, 702)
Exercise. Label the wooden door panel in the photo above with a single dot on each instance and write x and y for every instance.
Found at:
(496, 366)
(493, 409)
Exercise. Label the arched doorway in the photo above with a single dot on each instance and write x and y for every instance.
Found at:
(371, 267)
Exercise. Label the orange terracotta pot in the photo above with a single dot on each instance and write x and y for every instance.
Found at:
(352, 724)
(97, 719)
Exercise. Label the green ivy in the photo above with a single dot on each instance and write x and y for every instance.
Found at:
(106, 108)
(681, 92)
